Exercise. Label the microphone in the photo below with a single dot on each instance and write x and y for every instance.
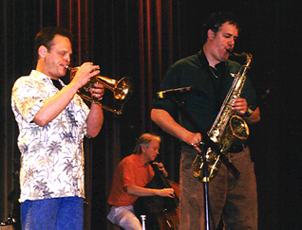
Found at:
(172, 92)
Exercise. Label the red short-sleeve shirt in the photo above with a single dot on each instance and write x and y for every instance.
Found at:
(130, 171)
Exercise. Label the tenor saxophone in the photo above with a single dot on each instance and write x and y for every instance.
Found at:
(226, 128)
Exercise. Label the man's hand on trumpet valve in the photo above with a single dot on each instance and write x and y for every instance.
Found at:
(97, 91)
(86, 71)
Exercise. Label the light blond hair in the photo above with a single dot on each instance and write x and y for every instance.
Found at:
(144, 140)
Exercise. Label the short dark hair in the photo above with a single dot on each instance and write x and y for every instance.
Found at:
(215, 21)
(45, 37)
(145, 140)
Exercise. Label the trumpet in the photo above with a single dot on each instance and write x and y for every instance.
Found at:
(122, 89)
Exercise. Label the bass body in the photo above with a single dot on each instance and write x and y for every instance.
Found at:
(162, 213)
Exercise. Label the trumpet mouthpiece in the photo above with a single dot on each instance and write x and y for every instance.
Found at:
(67, 67)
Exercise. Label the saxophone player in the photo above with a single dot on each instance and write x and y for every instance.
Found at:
(209, 71)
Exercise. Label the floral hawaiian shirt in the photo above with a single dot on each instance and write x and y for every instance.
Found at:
(52, 157)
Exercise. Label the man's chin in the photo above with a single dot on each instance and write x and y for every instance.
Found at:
(62, 73)
(225, 58)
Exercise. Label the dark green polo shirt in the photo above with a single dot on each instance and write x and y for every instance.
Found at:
(204, 102)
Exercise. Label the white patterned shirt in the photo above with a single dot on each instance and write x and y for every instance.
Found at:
(52, 157)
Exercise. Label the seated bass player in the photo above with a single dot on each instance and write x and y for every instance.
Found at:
(133, 173)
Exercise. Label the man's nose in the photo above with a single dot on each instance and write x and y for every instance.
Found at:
(67, 58)
(232, 42)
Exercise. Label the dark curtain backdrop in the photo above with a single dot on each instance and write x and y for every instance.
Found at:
(140, 39)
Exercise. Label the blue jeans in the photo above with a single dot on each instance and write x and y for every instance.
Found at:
(56, 213)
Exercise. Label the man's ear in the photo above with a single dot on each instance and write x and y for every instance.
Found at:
(42, 51)
(143, 148)
(211, 34)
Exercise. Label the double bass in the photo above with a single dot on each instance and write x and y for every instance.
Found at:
(162, 212)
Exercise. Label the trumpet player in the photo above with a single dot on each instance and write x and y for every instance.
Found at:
(233, 200)
(53, 121)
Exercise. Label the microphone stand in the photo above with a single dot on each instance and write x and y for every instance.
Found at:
(207, 143)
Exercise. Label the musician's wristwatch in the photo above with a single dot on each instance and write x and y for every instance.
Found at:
(248, 112)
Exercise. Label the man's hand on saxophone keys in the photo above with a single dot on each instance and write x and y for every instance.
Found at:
(193, 139)
(239, 105)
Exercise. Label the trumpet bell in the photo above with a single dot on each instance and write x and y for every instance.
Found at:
(122, 90)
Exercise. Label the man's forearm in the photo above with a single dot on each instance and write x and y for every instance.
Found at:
(254, 117)
(164, 120)
(54, 105)
(95, 120)
(141, 191)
